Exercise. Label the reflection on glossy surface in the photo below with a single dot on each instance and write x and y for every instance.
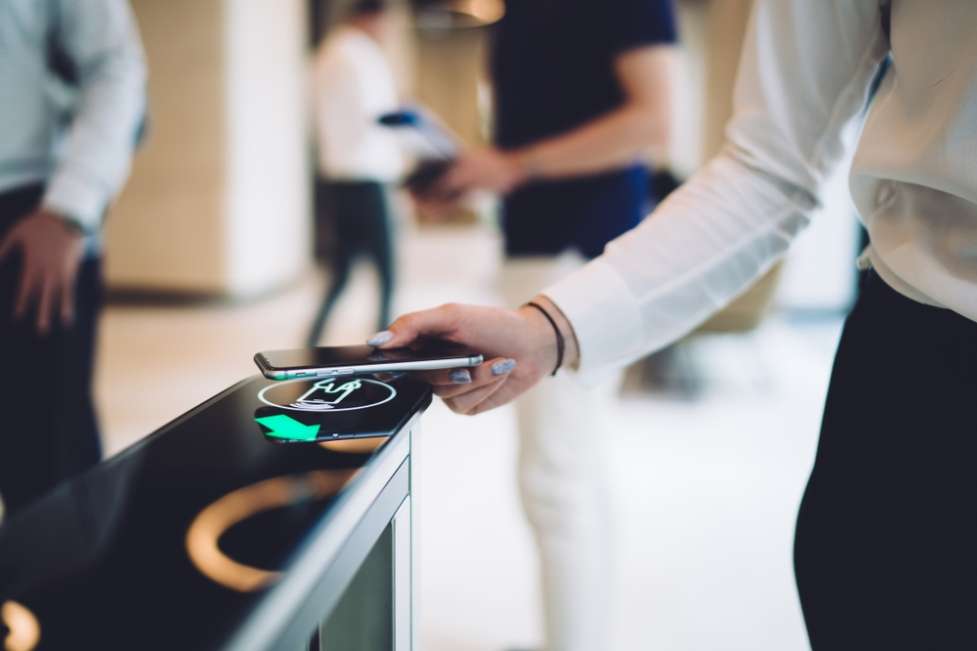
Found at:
(23, 632)
(354, 446)
(205, 531)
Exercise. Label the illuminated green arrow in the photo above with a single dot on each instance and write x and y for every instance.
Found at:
(285, 427)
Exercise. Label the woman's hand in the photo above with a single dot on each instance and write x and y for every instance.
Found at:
(519, 348)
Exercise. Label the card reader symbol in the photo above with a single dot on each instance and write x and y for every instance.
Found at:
(324, 395)
(327, 395)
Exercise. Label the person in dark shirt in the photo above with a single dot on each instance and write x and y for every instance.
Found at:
(582, 98)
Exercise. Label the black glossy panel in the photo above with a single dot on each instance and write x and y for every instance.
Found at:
(102, 561)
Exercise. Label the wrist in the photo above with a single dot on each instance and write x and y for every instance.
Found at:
(71, 225)
(548, 341)
(542, 341)
(523, 164)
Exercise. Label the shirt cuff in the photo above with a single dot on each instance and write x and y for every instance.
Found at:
(77, 201)
(605, 316)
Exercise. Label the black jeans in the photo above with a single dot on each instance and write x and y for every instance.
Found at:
(360, 215)
(886, 545)
(48, 429)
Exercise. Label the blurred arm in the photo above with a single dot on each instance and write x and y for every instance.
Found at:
(101, 39)
(620, 137)
(803, 81)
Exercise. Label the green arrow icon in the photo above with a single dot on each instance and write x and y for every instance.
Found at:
(285, 427)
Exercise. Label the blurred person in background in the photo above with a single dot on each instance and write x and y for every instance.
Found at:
(582, 97)
(359, 159)
(886, 533)
(72, 100)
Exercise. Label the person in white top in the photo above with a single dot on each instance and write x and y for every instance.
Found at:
(886, 534)
(359, 158)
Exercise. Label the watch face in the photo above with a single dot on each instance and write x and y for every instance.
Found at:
(327, 409)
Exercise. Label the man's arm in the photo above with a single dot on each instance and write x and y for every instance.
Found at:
(101, 40)
(641, 124)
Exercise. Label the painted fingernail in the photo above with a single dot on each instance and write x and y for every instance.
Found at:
(380, 338)
(503, 367)
(461, 376)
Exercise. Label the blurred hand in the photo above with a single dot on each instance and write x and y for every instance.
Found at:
(436, 208)
(488, 169)
(519, 348)
(51, 255)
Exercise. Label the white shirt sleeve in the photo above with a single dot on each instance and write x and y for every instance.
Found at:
(101, 39)
(802, 86)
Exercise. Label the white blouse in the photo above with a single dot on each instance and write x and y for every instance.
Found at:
(799, 106)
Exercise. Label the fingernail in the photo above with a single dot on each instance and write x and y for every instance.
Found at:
(461, 376)
(380, 338)
(503, 367)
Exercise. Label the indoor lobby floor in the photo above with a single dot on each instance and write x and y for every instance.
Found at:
(704, 490)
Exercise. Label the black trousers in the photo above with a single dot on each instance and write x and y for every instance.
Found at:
(359, 214)
(886, 546)
(48, 429)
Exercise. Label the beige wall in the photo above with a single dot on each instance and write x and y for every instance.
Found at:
(450, 67)
(218, 198)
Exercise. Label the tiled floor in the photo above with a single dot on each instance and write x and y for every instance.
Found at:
(705, 490)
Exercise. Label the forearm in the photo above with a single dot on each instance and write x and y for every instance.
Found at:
(102, 40)
(614, 140)
(704, 245)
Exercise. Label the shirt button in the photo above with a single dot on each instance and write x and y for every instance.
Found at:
(884, 194)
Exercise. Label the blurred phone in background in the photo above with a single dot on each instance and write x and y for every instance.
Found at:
(435, 147)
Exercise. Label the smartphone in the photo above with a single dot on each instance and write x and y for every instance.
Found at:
(362, 360)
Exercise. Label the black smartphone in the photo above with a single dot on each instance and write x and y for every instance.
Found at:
(334, 361)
